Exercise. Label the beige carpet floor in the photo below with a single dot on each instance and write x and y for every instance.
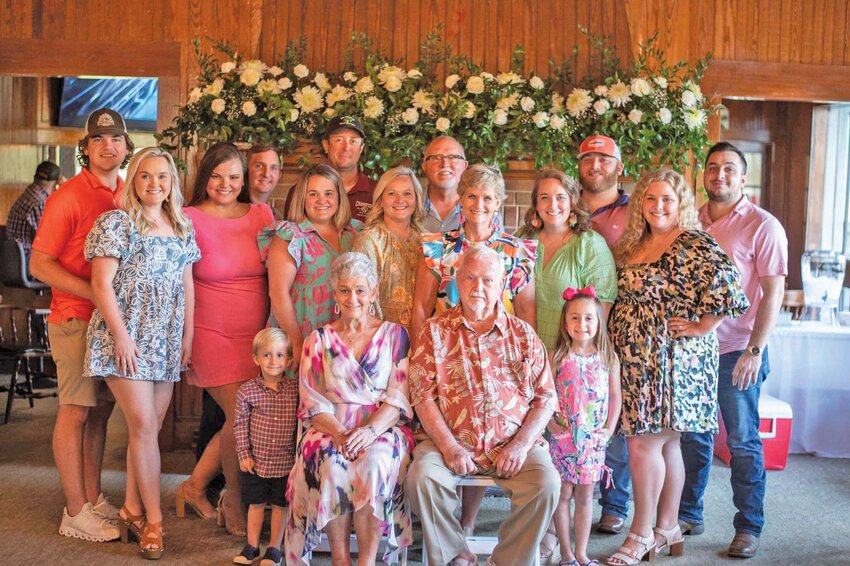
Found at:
(807, 509)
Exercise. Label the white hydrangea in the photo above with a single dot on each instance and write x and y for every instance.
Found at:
(410, 116)
(664, 115)
(619, 94)
(475, 85)
(635, 116)
(640, 87)
(601, 106)
(578, 102)
(536, 83)
(540, 119)
(249, 108)
(374, 107)
(364, 85)
(217, 106)
(527, 103)
(451, 81)
(308, 99)
(500, 117)
(300, 71)
(442, 124)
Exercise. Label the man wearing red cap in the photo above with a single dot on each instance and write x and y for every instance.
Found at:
(85, 404)
(600, 165)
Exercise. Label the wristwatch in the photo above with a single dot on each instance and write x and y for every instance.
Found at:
(754, 351)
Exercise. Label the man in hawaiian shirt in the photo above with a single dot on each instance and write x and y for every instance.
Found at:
(482, 388)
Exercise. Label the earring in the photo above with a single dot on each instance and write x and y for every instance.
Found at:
(336, 309)
(573, 220)
(536, 221)
(372, 309)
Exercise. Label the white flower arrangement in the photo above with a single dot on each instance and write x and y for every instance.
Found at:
(658, 114)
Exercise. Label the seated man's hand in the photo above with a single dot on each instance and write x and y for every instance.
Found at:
(510, 460)
(459, 461)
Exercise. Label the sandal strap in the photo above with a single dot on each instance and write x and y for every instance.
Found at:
(129, 517)
(152, 534)
(669, 534)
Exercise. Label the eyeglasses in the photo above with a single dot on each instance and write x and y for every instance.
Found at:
(437, 158)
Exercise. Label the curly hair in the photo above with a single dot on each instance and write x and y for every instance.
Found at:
(83, 144)
(637, 228)
(577, 207)
(376, 215)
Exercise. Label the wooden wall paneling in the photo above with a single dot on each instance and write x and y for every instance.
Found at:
(817, 172)
(773, 10)
(817, 29)
(844, 13)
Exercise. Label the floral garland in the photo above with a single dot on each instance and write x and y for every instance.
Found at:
(656, 112)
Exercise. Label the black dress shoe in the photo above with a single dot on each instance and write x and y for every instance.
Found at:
(610, 524)
(744, 545)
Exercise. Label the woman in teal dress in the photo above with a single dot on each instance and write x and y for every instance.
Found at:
(300, 253)
(569, 253)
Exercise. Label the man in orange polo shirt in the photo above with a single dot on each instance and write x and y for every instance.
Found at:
(85, 404)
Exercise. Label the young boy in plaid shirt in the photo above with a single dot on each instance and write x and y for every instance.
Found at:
(265, 425)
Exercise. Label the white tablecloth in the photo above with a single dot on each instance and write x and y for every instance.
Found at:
(810, 370)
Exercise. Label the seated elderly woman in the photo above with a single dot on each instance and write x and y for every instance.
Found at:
(354, 453)
(483, 391)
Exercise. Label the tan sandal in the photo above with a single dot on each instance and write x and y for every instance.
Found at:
(550, 554)
(230, 515)
(675, 543)
(151, 544)
(626, 556)
(196, 499)
(129, 524)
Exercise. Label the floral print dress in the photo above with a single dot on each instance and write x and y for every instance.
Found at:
(579, 451)
(672, 382)
(444, 251)
(149, 289)
(312, 295)
(324, 484)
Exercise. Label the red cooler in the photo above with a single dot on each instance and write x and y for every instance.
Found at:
(774, 430)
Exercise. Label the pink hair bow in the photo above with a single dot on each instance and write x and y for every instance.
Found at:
(570, 293)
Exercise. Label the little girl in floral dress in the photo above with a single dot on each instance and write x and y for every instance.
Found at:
(587, 380)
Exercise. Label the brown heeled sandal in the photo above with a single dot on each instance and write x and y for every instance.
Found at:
(127, 525)
(230, 516)
(671, 541)
(151, 545)
(196, 499)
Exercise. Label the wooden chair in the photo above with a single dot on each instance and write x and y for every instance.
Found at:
(793, 302)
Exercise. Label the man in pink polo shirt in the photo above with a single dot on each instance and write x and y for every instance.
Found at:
(85, 404)
(757, 244)
(600, 165)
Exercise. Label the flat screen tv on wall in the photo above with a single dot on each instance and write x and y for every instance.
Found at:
(134, 98)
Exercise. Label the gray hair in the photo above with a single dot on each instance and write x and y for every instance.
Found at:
(486, 176)
(481, 253)
(354, 265)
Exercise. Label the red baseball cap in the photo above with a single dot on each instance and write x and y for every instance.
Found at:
(600, 144)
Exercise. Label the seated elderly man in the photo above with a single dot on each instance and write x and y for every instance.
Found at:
(482, 388)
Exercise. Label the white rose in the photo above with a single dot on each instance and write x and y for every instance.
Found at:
(689, 99)
(540, 119)
(527, 103)
(217, 106)
(664, 115)
(215, 87)
(374, 107)
(228, 66)
(364, 85)
(393, 84)
(293, 114)
(194, 95)
(349, 77)
(451, 81)
(635, 116)
(470, 110)
(442, 124)
(321, 81)
(661, 82)
(601, 106)
(500, 117)
(300, 71)
(641, 87)
(284, 83)
(275, 71)
(414, 74)
(250, 77)
(410, 116)
(249, 108)
(475, 85)
(601, 90)
(536, 83)
(557, 122)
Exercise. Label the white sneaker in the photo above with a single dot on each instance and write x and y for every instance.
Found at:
(87, 525)
(104, 509)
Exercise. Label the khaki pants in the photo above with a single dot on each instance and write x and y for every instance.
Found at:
(534, 491)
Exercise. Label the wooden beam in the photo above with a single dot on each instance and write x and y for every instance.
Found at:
(63, 57)
(778, 81)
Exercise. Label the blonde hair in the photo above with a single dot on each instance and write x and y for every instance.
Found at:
(577, 206)
(129, 202)
(602, 342)
(297, 212)
(376, 215)
(480, 175)
(637, 228)
(268, 336)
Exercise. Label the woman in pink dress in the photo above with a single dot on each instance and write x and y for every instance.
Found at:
(231, 306)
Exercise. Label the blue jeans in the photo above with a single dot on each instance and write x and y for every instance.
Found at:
(741, 417)
(615, 499)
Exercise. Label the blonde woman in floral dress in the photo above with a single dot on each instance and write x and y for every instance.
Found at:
(392, 240)
(353, 456)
